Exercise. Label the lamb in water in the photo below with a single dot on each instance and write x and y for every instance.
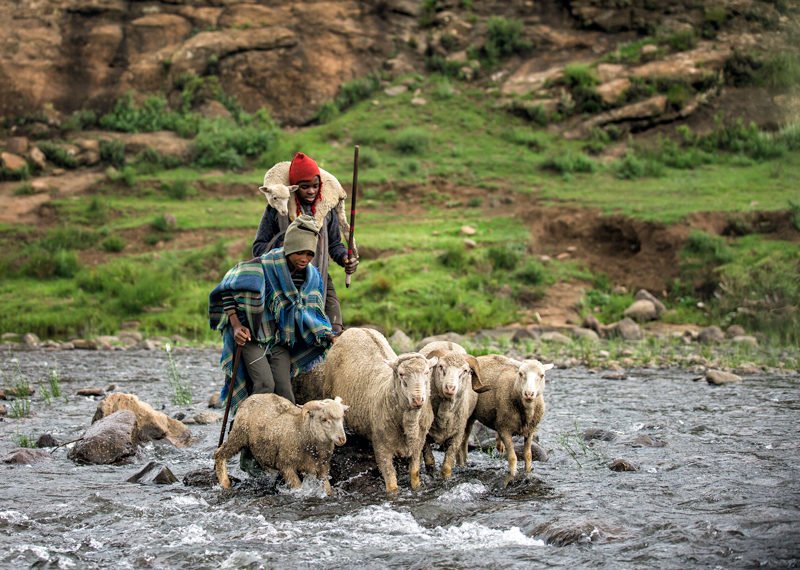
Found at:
(454, 394)
(285, 437)
(514, 406)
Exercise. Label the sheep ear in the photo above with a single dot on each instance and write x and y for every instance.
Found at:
(433, 361)
(338, 399)
(391, 363)
(475, 368)
(293, 188)
(548, 366)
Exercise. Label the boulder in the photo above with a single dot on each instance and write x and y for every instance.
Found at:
(400, 342)
(720, 377)
(555, 337)
(26, 456)
(46, 440)
(150, 423)
(644, 294)
(710, 335)
(205, 418)
(642, 311)
(746, 340)
(12, 162)
(623, 465)
(154, 474)
(110, 440)
(586, 335)
(627, 329)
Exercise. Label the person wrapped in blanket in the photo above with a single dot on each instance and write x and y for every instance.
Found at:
(272, 306)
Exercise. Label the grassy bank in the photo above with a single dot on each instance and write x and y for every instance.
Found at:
(152, 238)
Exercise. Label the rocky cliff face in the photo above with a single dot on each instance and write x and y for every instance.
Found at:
(287, 56)
(293, 56)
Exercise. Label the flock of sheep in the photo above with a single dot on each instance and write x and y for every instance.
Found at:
(401, 404)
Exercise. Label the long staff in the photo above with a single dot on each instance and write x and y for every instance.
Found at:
(352, 213)
(236, 359)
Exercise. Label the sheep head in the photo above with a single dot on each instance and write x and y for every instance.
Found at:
(530, 379)
(450, 374)
(277, 196)
(325, 419)
(412, 374)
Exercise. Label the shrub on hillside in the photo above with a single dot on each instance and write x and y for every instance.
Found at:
(412, 140)
(112, 152)
(57, 154)
(503, 39)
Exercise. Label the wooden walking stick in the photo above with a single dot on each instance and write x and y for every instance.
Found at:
(350, 244)
(236, 359)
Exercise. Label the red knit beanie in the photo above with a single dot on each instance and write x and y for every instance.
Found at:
(302, 167)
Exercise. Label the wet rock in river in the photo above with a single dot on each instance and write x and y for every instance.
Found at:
(110, 440)
(591, 434)
(25, 456)
(720, 377)
(214, 401)
(154, 474)
(204, 418)
(47, 440)
(203, 478)
(91, 392)
(623, 465)
(645, 440)
(150, 423)
(559, 533)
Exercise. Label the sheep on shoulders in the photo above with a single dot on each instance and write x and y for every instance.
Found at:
(285, 437)
(514, 406)
(455, 383)
(389, 398)
(278, 195)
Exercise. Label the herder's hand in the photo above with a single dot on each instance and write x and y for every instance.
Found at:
(241, 334)
(350, 265)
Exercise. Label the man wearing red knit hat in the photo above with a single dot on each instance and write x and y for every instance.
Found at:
(308, 199)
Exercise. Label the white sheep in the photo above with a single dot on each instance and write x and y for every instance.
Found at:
(278, 195)
(514, 406)
(455, 383)
(389, 398)
(285, 437)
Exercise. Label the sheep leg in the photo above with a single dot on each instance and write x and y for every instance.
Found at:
(322, 473)
(430, 462)
(235, 442)
(505, 437)
(291, 477)
(501, 448)
(414, 465)
(384, 460)
(453, 447)
(464, 448)
(528, 454)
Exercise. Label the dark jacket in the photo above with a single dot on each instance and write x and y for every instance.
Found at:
(269, 228)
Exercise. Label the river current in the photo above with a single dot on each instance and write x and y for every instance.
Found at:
(717, 484)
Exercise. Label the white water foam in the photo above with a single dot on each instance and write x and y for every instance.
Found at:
(13, 517)
(465, 492)
(192, 534)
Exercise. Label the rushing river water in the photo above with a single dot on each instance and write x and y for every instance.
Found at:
(723, 492)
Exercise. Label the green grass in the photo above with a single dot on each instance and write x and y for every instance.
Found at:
(415, 273)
